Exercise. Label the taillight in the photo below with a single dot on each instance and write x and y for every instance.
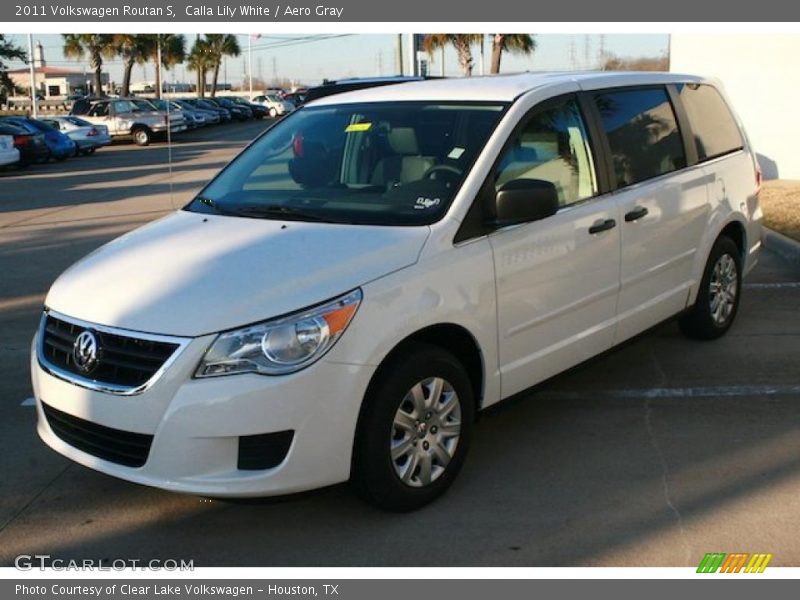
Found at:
(297, 146)
(759, 177)
(93, 132)
(22, 140)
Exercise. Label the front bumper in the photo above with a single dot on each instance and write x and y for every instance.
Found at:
(196, 425)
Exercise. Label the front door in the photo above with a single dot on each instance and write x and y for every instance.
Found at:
(558, 278)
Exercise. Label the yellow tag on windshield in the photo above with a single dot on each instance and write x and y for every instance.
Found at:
(355, 127)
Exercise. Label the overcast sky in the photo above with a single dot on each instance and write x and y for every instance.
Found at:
(310, 58)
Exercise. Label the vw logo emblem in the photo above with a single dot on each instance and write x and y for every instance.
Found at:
(85, 351)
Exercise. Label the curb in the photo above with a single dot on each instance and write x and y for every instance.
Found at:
(781, 245)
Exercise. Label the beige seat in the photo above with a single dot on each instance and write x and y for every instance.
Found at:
(405, 164)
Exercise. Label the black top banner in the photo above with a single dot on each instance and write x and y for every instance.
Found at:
(444, 11)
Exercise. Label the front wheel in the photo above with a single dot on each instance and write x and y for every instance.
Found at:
(141, 136)
(718, 297)
(415, 429)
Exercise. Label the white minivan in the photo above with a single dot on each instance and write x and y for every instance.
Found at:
(341, 300)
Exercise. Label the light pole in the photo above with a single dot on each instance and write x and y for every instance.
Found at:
(34, 104)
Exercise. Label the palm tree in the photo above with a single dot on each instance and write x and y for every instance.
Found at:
(516, 43)
(462, 42)
(134, 49)
(8, 51)
(220, 45)
(199, 60)
(173, 52)
(93, 45)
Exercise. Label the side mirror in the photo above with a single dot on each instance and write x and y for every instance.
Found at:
(525, 200)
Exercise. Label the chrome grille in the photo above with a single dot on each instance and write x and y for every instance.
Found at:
(127, 362)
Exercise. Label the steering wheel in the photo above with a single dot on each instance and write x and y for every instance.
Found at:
(449, 172)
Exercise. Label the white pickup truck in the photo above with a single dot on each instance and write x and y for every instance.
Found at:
(129, 117)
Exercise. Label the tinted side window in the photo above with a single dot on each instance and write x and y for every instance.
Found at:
(714, 128)
(553, 146)
(643, 134)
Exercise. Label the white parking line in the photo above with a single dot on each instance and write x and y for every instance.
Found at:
(713, 391)
(28, 402)
(773, 286)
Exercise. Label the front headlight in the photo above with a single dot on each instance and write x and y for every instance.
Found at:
(283, 345)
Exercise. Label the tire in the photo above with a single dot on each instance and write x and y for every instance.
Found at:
(273, 113)
(718, 297)
(423, 429)
(142, 136)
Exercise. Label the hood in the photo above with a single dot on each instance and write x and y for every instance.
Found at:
(191, 274)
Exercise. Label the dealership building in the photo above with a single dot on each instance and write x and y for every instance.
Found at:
(53, 81)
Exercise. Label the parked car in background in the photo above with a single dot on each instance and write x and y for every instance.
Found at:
(356, 83)
(259, 111)
(60, 146)
(9, 154)
(31, 146)
(204, 104)
(194, 118)
(123, 118)
(176, 119)
(275, 106)
(297, 98)
(212, 117)
(238, 112)
(88, 136)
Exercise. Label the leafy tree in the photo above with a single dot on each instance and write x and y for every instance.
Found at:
(462, 42)
(515, 43)
(8, 51)
(95, 46)
(219, 46)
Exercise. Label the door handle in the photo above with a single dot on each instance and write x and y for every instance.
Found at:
(601, 226)
(636, 214)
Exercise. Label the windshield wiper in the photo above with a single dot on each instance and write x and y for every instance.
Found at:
(284, 212)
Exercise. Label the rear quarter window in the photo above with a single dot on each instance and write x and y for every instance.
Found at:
(642, 132)
(714, 129)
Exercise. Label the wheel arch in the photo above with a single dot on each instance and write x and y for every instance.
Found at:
(453, 338)
(735, 229)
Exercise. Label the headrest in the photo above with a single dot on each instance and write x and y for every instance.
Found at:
(403, 140)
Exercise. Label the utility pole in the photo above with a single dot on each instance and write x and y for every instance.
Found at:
(399, 53)
(158, 68)
(34, 102)
(250, 62)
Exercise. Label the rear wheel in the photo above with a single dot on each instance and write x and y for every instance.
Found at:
(414, 432)
(718, 297)
(273, 113)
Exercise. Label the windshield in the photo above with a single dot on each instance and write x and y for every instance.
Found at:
(397, 163)
(142, 106)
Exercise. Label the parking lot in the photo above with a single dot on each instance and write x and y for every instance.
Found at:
(651, 455)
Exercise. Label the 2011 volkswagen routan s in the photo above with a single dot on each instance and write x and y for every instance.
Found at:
(340, 301)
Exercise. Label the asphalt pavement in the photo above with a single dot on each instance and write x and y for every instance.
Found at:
(651, 455)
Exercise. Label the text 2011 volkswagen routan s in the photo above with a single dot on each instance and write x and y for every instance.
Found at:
(339, 302)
